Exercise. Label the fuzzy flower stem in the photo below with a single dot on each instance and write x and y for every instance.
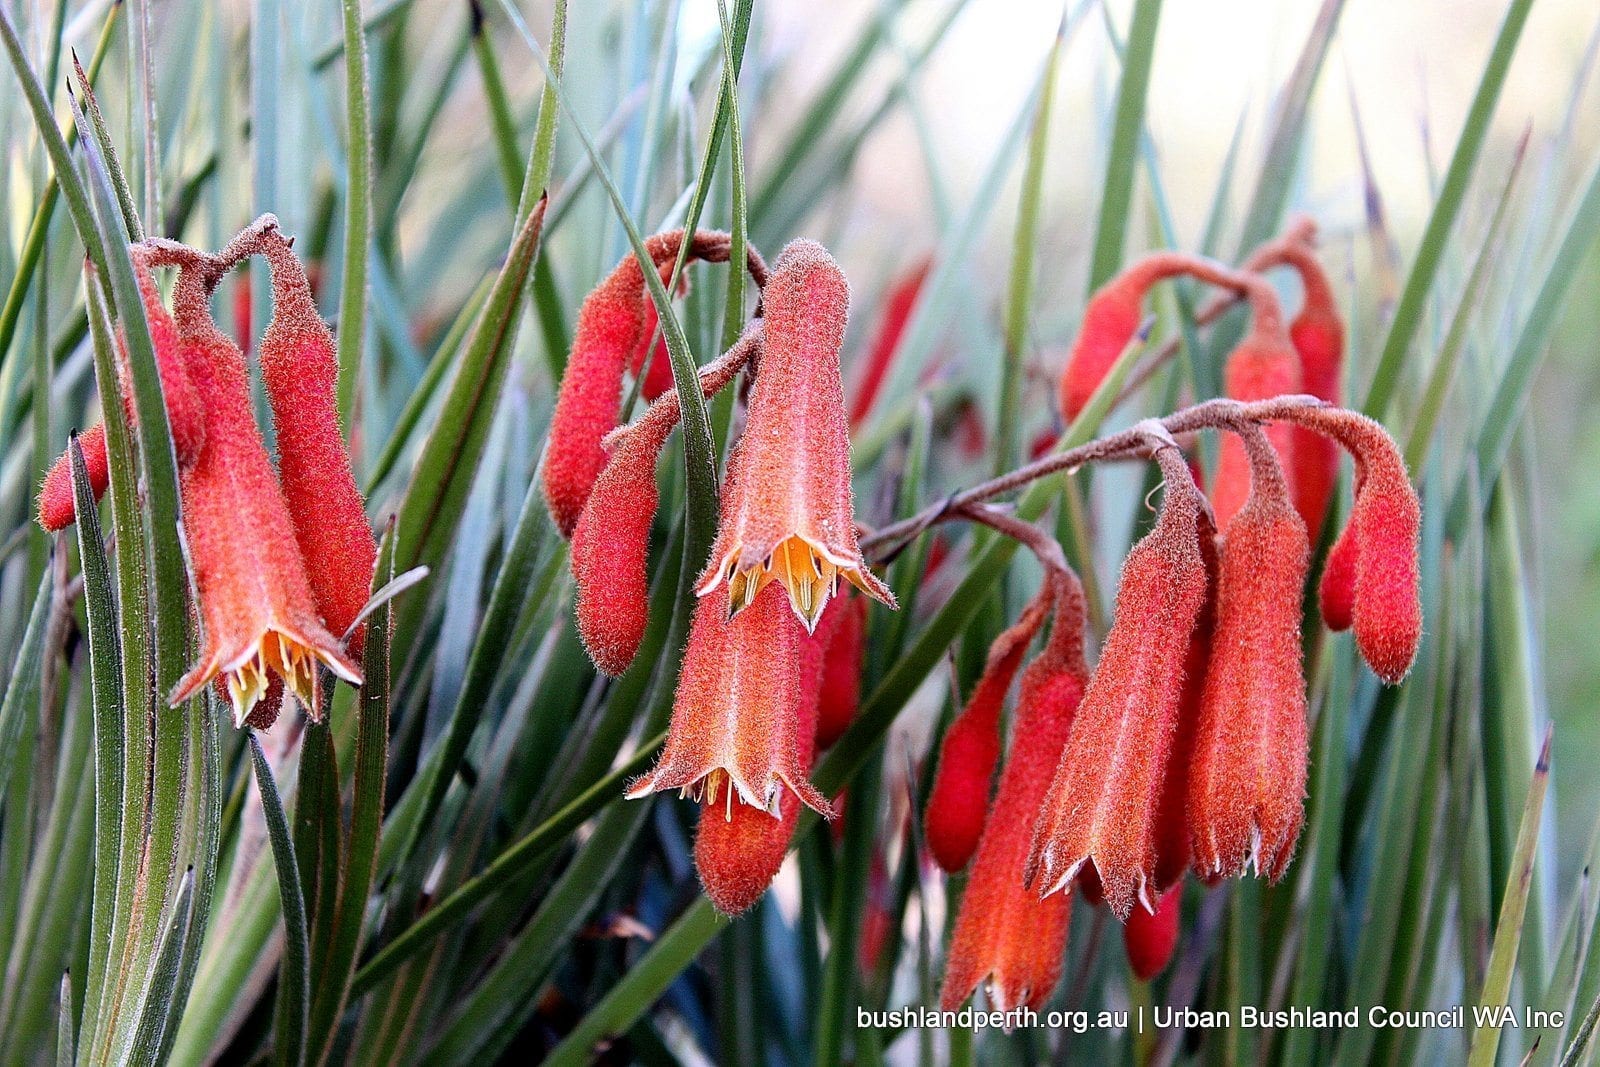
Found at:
(1132, 443)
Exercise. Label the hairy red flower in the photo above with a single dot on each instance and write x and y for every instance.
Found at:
(611, 543)
(1004, 931)
(959, 801)
(738, 852)
(1263, 365)
(734, 719)
(1247, 781)
(787, 512)
(1318, 336)
(1336, 593)
(185, 419)
(254, 597)
(843, 632)
(1384, 527)
(898, 304)
(611, 328)
(300, 367)
(1102, 804)
(1149, 938)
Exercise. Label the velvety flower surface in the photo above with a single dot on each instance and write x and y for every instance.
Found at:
(1101, 810)
(787, 511)
(258, 613)
(734, 734)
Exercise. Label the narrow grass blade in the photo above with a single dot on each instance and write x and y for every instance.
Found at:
(358, 210)
(22, 685)
(1122, 156)
(65, 1039)
(289, 1024)
(1441, 221)
(1508, 930)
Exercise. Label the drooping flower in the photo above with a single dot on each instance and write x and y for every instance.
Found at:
(255, 602)
(787, 512)
(1263, 365)
(1101, 809)
(1005, 931)
(738, 849)
(1247, 780)
(1149, 938)
(185, 419)
(734, 736)
(959, 801)
(892, 320)
(1336, 593)
(300, 367)
(611, 543)
(1113, 315)
(1318, 336)
(843, 631)
(1384, 528)
(611, 328)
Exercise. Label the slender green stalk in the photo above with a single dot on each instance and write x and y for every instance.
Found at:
(294, 977)
(358, 211)
(1122, 155)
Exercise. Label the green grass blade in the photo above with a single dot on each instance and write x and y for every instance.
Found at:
(1122, 156)
(358, 210)
(106, 694)
(294, 976)
(1288, 132)
(1508, 930)
(65, 1035)
(22, 686)
(1441, 221)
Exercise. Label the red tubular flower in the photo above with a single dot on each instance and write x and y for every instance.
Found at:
(1113, 315)
(1150, 938)
(843, 631)
(300, 367)
(959, 800)
(1384, 527)
(611, 543)
(1318, 336)
(1247, 781)
(254, 598)
(651, 358)
(787, 513)
(1337, 591)
(1264, 365)
(734, 721)
(185, 419)
(738, 853)
(1006, 932)
(611, 328)
(897, 307)
(1101, 807)
(1172, 817)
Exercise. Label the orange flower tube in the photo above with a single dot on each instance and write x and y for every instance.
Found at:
(255, 600)
(733, 733)
(1247, 781)
(1006, 932)
(300, 367)
(1102, 805)
(787, 511)
(738, 852)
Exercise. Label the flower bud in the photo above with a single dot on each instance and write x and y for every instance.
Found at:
(896, 314)
(1150, 938)
(959, 800)
(843, 630)
(1264, 365)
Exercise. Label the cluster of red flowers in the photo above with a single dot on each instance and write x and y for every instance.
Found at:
(1186, 746)
(281, 556)
(1188, 749)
